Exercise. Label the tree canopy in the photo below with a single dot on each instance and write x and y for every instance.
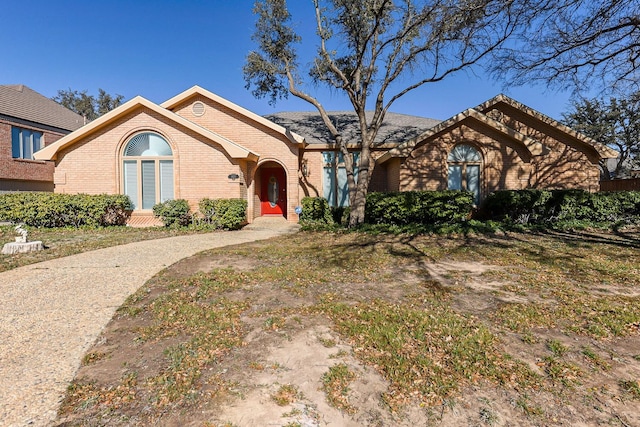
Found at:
(615, 123)
(576, 43)
(373, 52)
(87, 105)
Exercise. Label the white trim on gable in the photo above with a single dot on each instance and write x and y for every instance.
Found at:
(197, 90)
(233, 149)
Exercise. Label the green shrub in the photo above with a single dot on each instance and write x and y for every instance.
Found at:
(228, 214)
(548, 207)
(64, 210)
(520, 207)
(173, 212)
(418, 207)
(340, 215)
(315, 210)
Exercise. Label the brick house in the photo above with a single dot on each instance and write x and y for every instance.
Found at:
(199, 145)
(29, 121)
(500, 144)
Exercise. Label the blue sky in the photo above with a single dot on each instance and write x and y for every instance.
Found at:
(158, 48)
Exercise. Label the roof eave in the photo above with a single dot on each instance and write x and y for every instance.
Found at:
(50, 152)
(602, 150)
(197, 90)
(403, 151)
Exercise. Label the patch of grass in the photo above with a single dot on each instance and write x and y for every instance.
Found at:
(524, 402)
(335, 384)
(529, 338)
(327, 342)
(274, 323)
(60, 242)
(93, 357)
(556, 347)
(519, 317)
(105, 399)
(257, 366)
(562, 372)
(293, 413)
(426, 352)
(285, 395)
(488, 416)
(339, 354)
(211, 329)
(631, 388)
(579, 312)
(595, 359)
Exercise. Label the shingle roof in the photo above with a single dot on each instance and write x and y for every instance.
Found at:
(24, 103)
(396, 128)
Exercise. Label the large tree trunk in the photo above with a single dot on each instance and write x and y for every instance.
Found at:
(356, 217)
(358, 188)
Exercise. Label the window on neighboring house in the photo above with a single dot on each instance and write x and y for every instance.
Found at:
(464, 163)
(147, 167)
(25, 142)
(336, 189)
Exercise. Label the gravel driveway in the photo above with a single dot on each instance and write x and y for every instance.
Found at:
(51, 313)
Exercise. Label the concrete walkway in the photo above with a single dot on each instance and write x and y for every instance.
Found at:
(52, 312)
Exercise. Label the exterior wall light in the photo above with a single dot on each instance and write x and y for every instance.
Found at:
(304, 166)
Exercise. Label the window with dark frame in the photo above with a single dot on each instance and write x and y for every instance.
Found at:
(25, 142)
(464, 166)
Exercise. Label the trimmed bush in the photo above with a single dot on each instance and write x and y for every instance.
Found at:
(521, 206)
(50, 210)
(418, 207)
(173, 213)
(227, 214)
(545, 207)
(341, 215)
(316, 210)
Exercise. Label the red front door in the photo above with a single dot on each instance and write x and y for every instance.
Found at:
(273, 197)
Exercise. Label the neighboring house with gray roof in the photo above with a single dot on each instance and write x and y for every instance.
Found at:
(30, 121)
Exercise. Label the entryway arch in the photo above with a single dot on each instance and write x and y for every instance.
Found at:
(271, 189)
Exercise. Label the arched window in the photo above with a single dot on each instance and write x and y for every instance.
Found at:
(147, 164)
(464, 163)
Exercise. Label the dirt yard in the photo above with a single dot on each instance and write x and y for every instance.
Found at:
(552, 324)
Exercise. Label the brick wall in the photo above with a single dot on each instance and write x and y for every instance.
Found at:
(201, 167)
(507, 164)
(270, 145)
(23, 174)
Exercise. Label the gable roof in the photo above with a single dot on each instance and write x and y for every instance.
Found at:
(50, 152)
(403, 150)
(479, 114)
(602, 150)
(170, 104)
(396, 127)
(24, 103)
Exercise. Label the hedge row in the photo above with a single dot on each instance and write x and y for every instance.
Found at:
(526, 207)
(228, 214)
(404, 208)
(64, 210)
(540, 207)
(418, 207)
